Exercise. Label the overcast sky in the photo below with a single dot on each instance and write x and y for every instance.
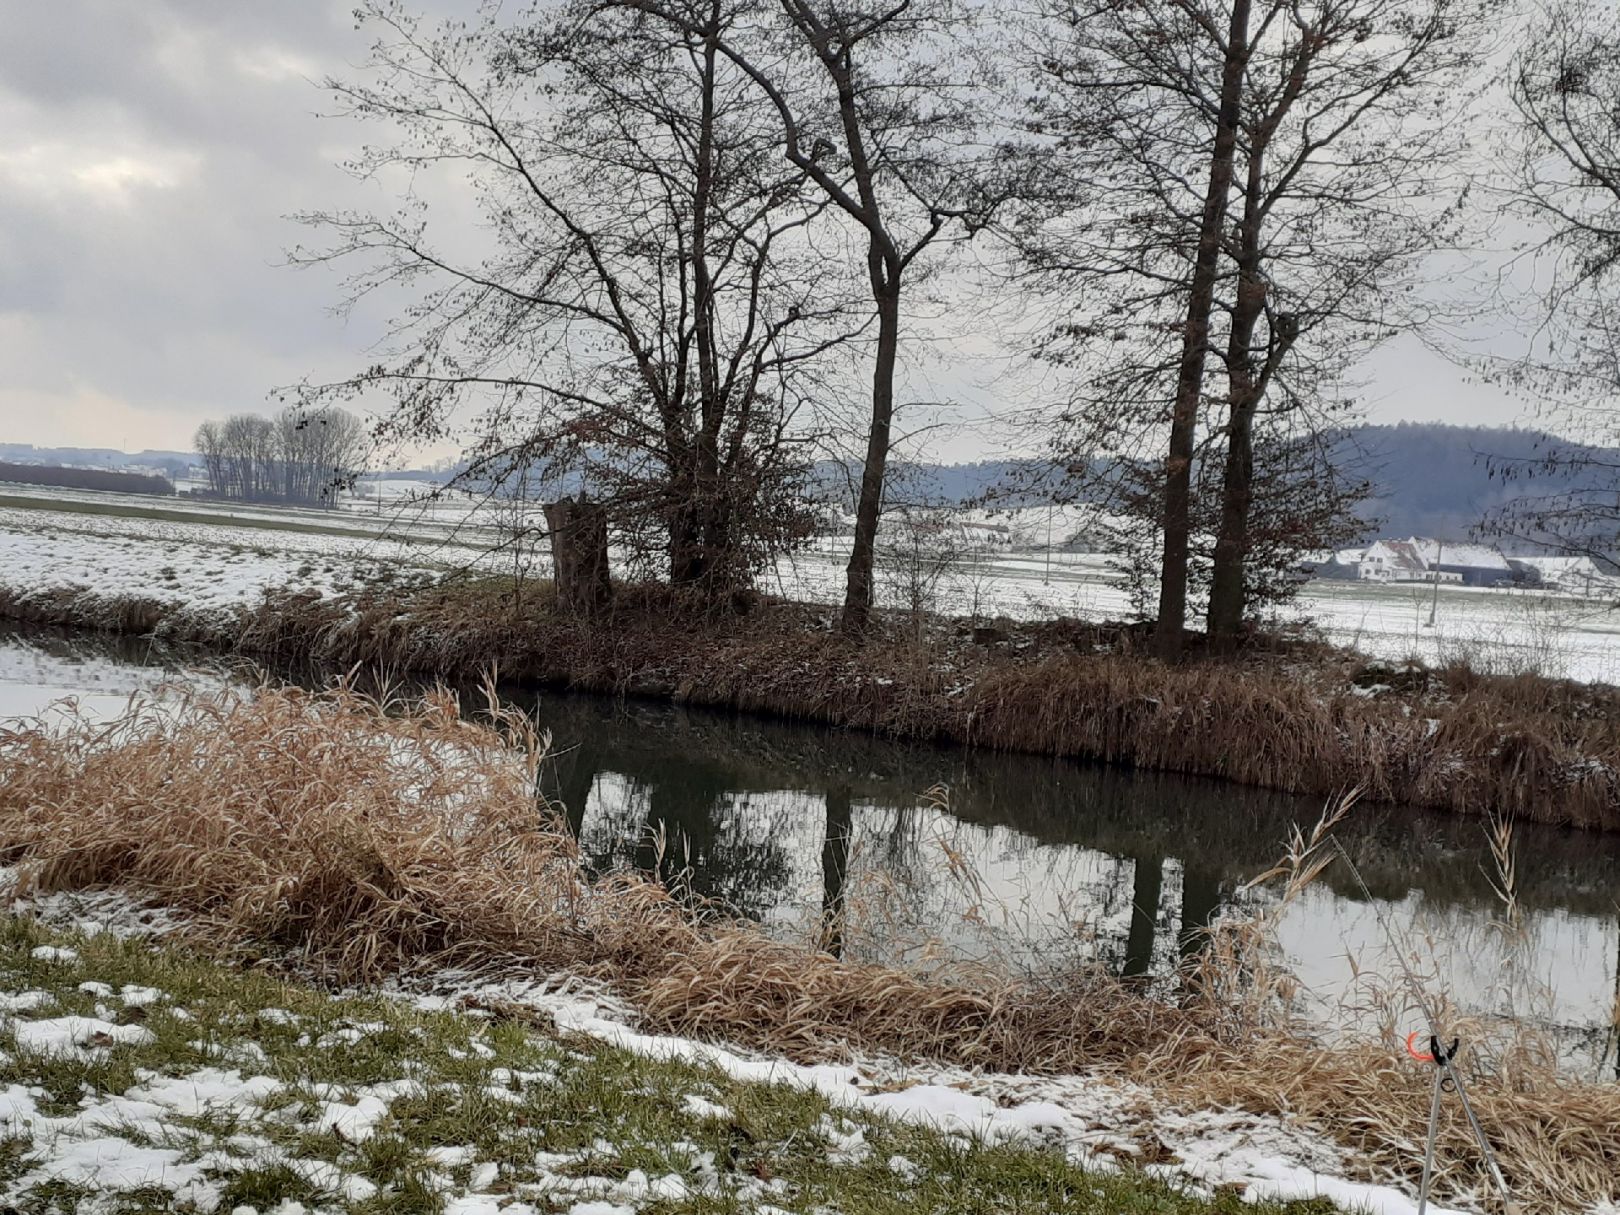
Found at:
(149, 154)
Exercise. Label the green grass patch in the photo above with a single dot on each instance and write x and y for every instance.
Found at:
(459, 1103)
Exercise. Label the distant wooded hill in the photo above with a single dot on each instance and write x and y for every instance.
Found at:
(174, 463)
(1436, 480)
(85, 478)
(1429, 479)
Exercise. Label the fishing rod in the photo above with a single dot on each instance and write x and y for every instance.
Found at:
(1447, 1079)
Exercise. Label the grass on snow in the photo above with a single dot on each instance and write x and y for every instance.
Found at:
(482, 1115)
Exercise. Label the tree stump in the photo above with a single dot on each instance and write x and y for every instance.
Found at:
(579, 554)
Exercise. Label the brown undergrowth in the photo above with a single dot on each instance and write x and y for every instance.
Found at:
(366, 840)
(1293, 717)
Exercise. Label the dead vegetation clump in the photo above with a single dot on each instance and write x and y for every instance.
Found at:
(373, 839)
(1300, 719)
(78, 609)
(360, 840)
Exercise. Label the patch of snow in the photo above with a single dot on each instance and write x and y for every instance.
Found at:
(26, 1001)
(202, 1091)
(93, 912)
(324, 1175)
(354, 1122)
(1094, 1118)
(1284, 1182)
(67, 1035)
(118, 1166)
(702, 1107)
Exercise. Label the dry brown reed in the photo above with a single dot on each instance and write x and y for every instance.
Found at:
(360, 839)
(374, 839)
(1295, 720)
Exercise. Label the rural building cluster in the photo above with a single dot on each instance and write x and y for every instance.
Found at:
(1459, 563)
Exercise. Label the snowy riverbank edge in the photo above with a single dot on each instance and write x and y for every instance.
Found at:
(1095, 1122)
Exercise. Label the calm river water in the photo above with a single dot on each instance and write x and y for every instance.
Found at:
(928, 856)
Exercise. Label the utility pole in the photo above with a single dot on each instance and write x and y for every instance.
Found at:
(1046, 578)
(1434, 601)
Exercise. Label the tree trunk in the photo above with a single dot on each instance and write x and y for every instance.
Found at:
(1147, 885)
(1226, 592)
(1227, 600)
(863, 553)
(1246, 386)
(835, 868)
(1195, 344)
(579, 555)
(694, 560)
(1200, 904)
(687, 566)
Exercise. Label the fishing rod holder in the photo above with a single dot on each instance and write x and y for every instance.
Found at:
(1441, 1058)
(1448, 1080)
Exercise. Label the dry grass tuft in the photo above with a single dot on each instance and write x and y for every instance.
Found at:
(1558, 1142)
(375, 838)
(364, 839)
(326, 824)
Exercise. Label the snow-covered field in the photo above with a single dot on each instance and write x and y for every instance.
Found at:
(231, 553)
(207, 563)
(1507, 631)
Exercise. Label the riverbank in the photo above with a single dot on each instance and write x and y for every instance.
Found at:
(143, 1077)
(359, 845)
(1297, 717)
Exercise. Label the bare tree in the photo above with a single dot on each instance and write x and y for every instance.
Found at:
(211, 447)
(319, 452)
(645, 319)
(1143, 103)
(1565, 150)
(883, 107)
(1350, 123)
(1267, 177)
(248, 441)
(302, 456)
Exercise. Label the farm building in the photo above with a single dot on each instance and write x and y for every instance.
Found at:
(1474, 564)
(1573, 575)
(1418, 559)
(1341, 566)
(1394, 561)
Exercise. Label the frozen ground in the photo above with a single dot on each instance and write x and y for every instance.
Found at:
(131, 1075)
(204, 564)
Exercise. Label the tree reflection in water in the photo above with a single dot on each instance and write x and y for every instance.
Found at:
(828, 836)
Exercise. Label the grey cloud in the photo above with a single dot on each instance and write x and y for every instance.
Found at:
(148, 155)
